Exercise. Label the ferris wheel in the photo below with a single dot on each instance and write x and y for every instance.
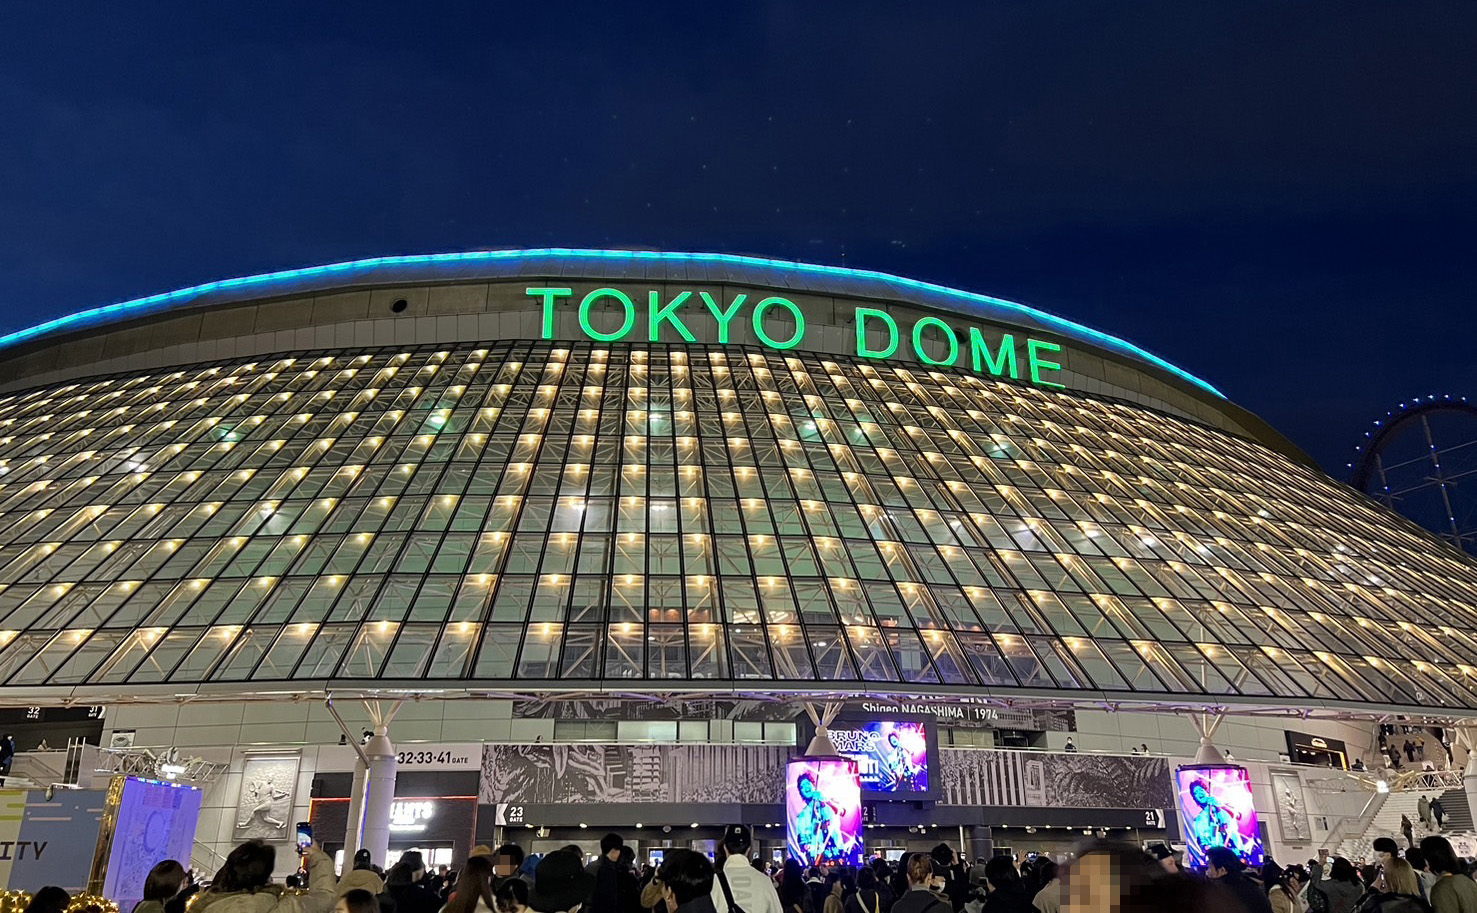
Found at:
(1421, 460)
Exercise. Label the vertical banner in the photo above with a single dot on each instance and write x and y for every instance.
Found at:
(823, 811)
(1216, 806)
(154, 821)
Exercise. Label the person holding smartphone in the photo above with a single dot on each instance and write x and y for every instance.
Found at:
(244, 883)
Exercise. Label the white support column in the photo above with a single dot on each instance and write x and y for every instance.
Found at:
(1206, 725)
(353, 832)
(379, 795)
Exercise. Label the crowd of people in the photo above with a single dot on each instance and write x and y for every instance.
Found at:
(1104, 877)
(1429, 878)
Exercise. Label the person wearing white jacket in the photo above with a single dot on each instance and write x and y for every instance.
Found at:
(752, 891)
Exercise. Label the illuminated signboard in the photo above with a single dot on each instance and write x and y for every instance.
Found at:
(823, 811)
(673, 317)
(1217, 810)
(411, 816)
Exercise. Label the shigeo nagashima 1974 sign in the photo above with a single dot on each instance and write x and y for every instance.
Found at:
(672, 317)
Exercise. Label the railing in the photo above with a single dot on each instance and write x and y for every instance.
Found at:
(202, 853)
(53, 767)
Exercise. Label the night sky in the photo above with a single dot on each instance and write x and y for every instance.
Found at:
(1280, 197)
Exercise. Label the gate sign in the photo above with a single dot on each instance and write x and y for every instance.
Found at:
(432, 757)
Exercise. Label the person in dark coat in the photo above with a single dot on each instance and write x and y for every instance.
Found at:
(1225, 867)
(7, 756)
(406, 882)
(956, 882)
(1006, 893)
(611, 891)
(867, 898)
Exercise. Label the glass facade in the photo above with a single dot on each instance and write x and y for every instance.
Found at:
(546, 514)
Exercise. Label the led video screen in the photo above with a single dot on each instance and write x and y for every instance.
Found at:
(1216, 807)
(823, 812)
(156, 821)
(895, 758)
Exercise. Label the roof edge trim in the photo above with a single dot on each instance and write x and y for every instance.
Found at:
(92, 316)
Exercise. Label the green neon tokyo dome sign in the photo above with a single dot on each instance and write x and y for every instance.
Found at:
(673, 317)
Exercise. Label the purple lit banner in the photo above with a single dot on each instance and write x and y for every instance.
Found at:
(823, 811)
(1216, 807)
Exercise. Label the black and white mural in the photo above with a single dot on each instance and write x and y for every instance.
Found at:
(557, 774)
(1022, 778)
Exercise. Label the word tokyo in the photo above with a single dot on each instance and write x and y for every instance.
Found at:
(674, 318)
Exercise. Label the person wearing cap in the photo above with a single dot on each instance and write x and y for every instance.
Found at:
(737, 886)
(1224, 866)
(687, 882)
(560, 884)
(1166, 857)
(362, 877)
(956, 883)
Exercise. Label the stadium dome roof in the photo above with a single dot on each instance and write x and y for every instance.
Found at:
(600, 264)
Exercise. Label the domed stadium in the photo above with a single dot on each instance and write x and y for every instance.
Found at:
(585, 472)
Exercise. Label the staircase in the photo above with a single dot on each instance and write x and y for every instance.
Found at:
(1458, 819)
(1403, 799)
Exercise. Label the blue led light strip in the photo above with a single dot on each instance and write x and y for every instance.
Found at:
(96, 315)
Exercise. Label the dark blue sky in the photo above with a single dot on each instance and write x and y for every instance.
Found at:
(1280, 197)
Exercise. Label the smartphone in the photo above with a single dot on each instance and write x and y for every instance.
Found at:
(304, 837)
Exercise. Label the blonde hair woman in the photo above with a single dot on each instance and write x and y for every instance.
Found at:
(1400, 878)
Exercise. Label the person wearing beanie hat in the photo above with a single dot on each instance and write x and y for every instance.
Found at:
(560, 884)
(737, 886)
(1168, 861)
